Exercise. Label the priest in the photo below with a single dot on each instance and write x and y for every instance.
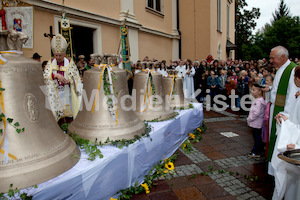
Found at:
(62, 79)
(282, 93)
(287, 176)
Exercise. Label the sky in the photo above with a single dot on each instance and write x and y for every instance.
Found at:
(267, 7)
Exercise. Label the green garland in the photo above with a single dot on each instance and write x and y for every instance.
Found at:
(158, 120)
(91, 147)
(15, 193)
(153, 89)
(106, 89)
(16, 125)
(121, 143)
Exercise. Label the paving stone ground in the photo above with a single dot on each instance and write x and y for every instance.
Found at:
(218, 168)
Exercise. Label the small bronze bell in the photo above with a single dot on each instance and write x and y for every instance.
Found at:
(42, 151)
(102, 116)
(173, 88)
(150, 96)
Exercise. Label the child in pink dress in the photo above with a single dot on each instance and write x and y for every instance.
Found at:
(256, 118)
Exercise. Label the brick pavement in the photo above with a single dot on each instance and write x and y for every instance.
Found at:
(218, 167)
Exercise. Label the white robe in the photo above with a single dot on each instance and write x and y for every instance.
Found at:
(163, 72)
(189, 83)
(181, 71)
(286, 175)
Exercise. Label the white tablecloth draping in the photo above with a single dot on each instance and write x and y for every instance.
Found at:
(120, 168)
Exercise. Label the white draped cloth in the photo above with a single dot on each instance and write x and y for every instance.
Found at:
(287, 175)
(189, 83)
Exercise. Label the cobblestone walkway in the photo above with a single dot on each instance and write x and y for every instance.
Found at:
(218, 167)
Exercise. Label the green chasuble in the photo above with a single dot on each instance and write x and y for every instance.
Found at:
(279, 104)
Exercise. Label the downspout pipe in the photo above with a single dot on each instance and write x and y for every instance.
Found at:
(178, 29)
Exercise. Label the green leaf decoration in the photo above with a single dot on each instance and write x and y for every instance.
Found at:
(18, 130)
(16, 124)
(10, 120)
(2, 89)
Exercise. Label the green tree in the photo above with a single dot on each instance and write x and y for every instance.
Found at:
(244, 24)
(285, 32)
(282, 11)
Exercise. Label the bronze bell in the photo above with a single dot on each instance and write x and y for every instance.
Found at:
(111, 118)
(42, 151)
(150, 96)
(173, 88)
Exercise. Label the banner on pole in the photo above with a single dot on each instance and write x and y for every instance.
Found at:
(66, 33)
(125, 50)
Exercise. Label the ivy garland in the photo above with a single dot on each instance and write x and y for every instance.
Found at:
(121, 143)
(158, 120)
(91, 147)
(16, 125)
(153, 89)
(15, 194)
(107, 91)
(174, 92)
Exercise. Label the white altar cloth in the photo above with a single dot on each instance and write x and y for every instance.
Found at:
(120, 168)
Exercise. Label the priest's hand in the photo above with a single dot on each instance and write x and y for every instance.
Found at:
(297, 94)
(266, 88)
(280, 116)
(61, 79)
(290, 146)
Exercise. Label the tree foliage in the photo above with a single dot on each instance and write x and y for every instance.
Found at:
(285, 31)
(282, 11)
(244, 24)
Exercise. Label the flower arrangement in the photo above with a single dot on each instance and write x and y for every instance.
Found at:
(195, 136)
(159, 170)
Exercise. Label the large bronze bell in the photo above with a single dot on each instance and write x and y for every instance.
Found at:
(110, 118)
(173, 88)
(150, 96)
(42, 151)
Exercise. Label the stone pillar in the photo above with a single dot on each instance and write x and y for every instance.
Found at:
(127, 13)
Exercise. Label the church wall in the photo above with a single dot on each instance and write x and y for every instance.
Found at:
(202, 24)
(110, 38)
(154, 47)
(108, 8)
(154, 21)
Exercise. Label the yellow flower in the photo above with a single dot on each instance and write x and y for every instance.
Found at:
(166, 171)
(145, 186)
(199, 129)
(113, 198)
(169, 166)
(184, 145)
(191, 135)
